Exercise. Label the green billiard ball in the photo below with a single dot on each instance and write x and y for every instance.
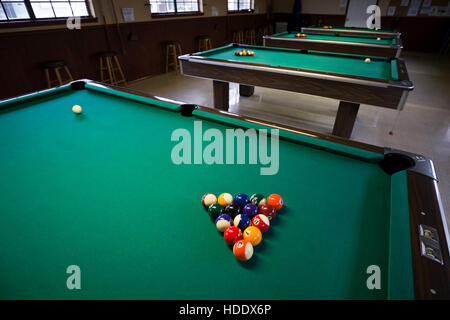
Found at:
(258, 199)
(214, 211)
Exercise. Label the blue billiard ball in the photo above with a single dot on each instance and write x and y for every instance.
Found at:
(242, 221)
(241, 199)
(223, 222)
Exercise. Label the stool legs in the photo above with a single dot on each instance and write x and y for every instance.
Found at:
(107, 65)
(204, 44)
(59, 78)
(172, 53)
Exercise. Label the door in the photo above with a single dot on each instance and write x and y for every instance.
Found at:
(356, 13)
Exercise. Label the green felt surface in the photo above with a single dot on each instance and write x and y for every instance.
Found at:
(346, 38)
(378, 68)
(353, 28)
(99, 190)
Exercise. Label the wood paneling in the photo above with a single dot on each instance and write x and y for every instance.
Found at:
(140, 48)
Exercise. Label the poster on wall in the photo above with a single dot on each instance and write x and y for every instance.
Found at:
(414, 8)
(128, 14)
(391, 11)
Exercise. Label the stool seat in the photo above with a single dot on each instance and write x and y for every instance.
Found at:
(56, 68)
(238, 36)
(109, 64)
(54, 64)
(173, 50)
(107, 54)
(204, 43)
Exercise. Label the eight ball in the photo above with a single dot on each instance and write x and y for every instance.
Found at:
(232, 210)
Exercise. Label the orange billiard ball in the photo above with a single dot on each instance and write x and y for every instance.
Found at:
(243, 250)
(275, 200)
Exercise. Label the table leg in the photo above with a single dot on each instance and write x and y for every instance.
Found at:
(246, 91)
(345, 119)
(221, 95)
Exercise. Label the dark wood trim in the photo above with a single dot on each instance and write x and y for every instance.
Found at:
(429, 276)
(176, 15)
(241, 11)
(357, 93)
(336, 32)
(41, 22)
(373, 50)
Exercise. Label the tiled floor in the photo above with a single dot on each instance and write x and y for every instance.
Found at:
(422, 127)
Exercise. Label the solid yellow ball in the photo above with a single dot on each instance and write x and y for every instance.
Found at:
(253, 235)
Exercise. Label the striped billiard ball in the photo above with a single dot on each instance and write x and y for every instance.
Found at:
(261, 222)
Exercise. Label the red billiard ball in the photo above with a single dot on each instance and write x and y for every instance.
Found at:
(261, 222)
(269, 211)
(232, 235)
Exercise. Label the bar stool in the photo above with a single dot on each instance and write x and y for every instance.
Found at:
(204, 43)
(259, 36)
(173, 50)
(250, 37)
(238, 36)
(55, 67)
(109, 64)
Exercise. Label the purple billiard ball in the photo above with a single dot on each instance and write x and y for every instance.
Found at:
(250, 209)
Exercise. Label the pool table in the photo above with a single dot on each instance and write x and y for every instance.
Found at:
(389, 47)
(100, 190)
(354, 31)
(383, 82)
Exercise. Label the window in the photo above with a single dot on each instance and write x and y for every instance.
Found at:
(165, 7)
(240, 5)
(42, 9)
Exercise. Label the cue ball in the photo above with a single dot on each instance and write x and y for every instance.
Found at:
(77, 109)
(378, 39)
(367, 60)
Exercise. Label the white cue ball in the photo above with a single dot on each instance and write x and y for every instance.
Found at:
(367, 60)
(378, 39)
(77, 109)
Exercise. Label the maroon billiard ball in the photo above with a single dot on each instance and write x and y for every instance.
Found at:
(268, 210)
